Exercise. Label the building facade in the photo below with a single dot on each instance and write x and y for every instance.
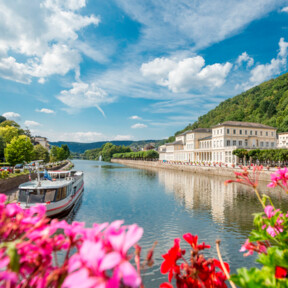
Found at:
(218, 143)
(42, 141)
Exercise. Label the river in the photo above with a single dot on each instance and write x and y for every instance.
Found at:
(169, 203)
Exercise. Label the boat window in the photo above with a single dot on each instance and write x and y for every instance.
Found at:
(35, 196)
(61, 194)
(50, 194)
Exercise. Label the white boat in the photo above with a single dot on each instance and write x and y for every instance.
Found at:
(59, 194)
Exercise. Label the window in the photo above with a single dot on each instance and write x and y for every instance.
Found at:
(217, 131)
(246, 132)
(272, 133)
(251, 132)
(272, 144)
(228, 142)
(228, 131)
(246, 142)
(234, 142)
(266, 133)
(260, 133)
(261, 144)
(240, 143)
(256, 133)
(267, 144)
(234, 131)
(49, 195)
(240, 132)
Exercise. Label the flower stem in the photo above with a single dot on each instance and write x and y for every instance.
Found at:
(222, 264)
(259, 198)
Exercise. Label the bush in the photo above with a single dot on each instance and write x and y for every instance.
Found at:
(17, 171)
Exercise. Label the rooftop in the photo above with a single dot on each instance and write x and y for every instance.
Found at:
(244, 124)
(175, 143)
(206, 138)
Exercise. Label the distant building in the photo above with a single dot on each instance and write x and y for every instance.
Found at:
(42, 141)
(283, 140)
(218, 143)
(149, 146)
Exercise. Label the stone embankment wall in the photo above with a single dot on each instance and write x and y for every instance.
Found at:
(216, 171)
(12, 183)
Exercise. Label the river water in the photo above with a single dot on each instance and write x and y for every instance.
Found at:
(168, 204)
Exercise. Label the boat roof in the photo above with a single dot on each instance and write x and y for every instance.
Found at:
(45, 184)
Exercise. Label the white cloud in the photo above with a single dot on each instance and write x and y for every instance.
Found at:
(12, 116)
(31, 123)
(244, 57)
(45, 110)
(171, 23)
(123, 137)
(186, 74)
(135, 117)
(84, 95)
(264, 72)
(138, 125)
(285, 9)
(43, 35)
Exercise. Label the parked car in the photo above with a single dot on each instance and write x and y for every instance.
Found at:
(19, 166)
(6, 168)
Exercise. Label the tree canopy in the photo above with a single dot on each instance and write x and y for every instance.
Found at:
(20, 150)
(40, 153)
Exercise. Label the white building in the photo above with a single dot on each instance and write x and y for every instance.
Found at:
(218, 143)
(42, 141)
(283, 140)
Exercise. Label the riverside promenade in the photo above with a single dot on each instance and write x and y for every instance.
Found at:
(227, 172)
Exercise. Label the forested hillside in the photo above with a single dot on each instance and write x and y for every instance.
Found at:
(266, 103)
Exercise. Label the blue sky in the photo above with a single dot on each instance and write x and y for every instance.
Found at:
(88, 71)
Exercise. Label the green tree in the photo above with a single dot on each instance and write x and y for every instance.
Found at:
(66, 150)
(40, 153)
(2, 147)
(2, 119)
(241, 153)
(10, 123)
(20, 150)
(53, 153)
(8, 133)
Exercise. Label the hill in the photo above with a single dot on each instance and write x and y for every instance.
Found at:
(266, 103)
(78, 147)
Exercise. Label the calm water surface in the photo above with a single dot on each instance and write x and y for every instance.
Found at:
(169, 203)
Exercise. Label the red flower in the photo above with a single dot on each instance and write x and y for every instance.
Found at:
(169, 264)
(166, 285)
(280, 272)
(192, 240)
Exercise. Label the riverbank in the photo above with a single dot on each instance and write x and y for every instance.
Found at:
(8, 185)
(205, 170)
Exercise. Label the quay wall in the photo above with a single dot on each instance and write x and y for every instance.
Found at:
(226, 172)
(12, 183)
(9, 184)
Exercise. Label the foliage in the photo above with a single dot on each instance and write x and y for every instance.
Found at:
(8, 133)
(9, 123)
(40, 153)
(268, 239)
(4, 174)
(106, 151)
(59, 153)
(20, 150)
(2, 146)
(31, 243)
(82, 147)
(150, 154)
(266, 103)
(2, 119)
(241, 153)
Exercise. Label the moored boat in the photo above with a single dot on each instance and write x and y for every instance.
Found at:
(57, 190)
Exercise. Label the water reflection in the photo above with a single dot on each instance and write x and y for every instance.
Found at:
(232, 203)
(169, 203)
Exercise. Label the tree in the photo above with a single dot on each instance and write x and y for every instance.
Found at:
(2, 146)
(8, 133)
(66, 150)
(241, 153)
(2, 119)
(40, 153)
(20, 150)
(53, 153)
(10, 123)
